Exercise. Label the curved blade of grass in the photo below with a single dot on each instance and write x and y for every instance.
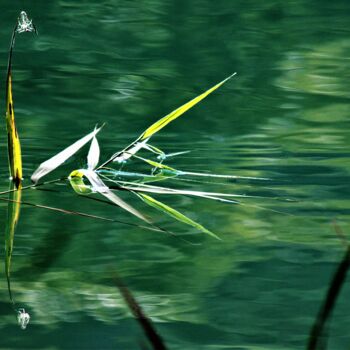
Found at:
(134, 147)
(161, 123)
(54, 162)
(94, 154)
(174, 214)
(166, 190)
(113, 175)
(79, 185)
(13, 143)
(99, 186)
(222, 176)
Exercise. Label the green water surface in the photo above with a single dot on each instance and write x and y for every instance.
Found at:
(285, 116)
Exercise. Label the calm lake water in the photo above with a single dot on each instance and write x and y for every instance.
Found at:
(285, 116)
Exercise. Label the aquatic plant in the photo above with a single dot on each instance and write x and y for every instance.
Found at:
(106, 180)
(13, 144)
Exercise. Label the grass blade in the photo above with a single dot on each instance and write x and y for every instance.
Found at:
(54, 162)
(14, 146)
(13, 143)
(157, 164)
(94, 154)
(161, 123)
(174, 214)
(158, 125)
(167, 190)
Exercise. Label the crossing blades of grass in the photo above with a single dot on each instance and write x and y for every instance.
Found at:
(54, 162)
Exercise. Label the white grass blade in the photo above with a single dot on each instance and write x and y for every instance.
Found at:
(221, 176)
(54, 162)
(94, 154)
(166, 190)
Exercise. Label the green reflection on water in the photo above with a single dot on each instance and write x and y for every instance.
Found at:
(285, 117)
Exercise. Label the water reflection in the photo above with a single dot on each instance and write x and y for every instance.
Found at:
(284, 118)
(13, 214)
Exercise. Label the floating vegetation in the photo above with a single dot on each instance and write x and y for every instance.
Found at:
(106, 181)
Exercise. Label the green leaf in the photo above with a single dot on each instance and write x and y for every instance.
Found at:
(161, 123)
(175, 214)
(14, 146)
(142, 140)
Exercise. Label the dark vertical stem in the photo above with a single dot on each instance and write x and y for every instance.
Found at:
(328, 304)
(9, 61)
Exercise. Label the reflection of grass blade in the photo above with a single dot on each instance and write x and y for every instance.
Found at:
(146, 324)
(54, 162)
(174, 214)
(13, 212)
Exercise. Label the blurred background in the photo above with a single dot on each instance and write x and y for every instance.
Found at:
(285, 116)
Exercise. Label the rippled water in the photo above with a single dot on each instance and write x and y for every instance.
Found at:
(285, 116)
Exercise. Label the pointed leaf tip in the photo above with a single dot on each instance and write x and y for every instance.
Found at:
(55, 161)
(161, 123)
(175, 214)
(94, 154)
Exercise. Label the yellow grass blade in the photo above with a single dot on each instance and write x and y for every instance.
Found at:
(14, 146)
(179, 111)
